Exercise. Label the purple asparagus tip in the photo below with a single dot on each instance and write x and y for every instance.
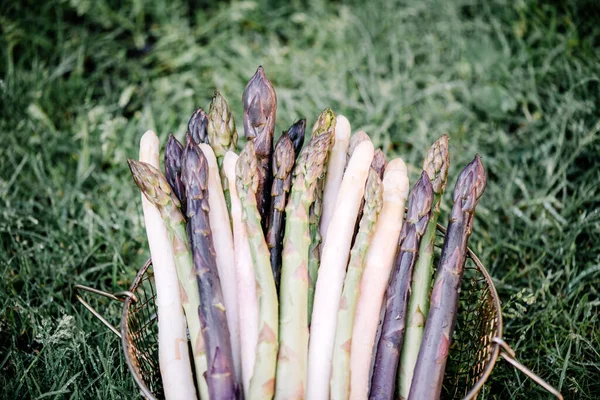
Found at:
(296, 133)
(197, 126)
(470, 185)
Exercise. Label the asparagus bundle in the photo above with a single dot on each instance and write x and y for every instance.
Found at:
(433, 353)
(340, 375)
(220, 374)
(260, 106)
(197, 126)
(224, 251)
(379, 261)
(283, 163)
(173, 358)
(335, 172)
(173, 152)
(262, 384)
(246, 279)
(331, 276)
(436, 165)
(392, 331)
(293, 296)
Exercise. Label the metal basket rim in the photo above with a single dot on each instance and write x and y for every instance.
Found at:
(495, 347)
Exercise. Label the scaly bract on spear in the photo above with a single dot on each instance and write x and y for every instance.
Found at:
(262, 383)
(260, 106)
(220, 374)
(392, 331)
(433, 353)
(283, 163)
(293, 293)
(436, 165)
(340, 368)
(158, 191)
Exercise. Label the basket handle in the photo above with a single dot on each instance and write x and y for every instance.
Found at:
(509, 355)
(119, 296)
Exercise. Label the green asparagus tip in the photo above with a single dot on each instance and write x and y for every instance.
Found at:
(152, 183)
(470, 184)
(246, 170)
(325, 123)
(313, 157)
(436, 164)
(221, 131)
(373, 195)
(420, 199)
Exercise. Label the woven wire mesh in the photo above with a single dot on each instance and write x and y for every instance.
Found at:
(470, 360)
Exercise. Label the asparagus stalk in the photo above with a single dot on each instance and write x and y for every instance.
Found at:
(197, 126)
(334, 260)
(392, 331)
(224, 251)
(335, 172)
(340, 375)
(293, 295)
(379, 261)
(355, 140)
(283, 163)
(262, 384)
(436, 165)
(246, 280)
(157, 190)
(173, 152)
(260, 106)
(296, 133)
(173, 357)
(433, 354)
(220, 375)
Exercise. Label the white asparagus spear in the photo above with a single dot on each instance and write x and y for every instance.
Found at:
(332, 271)
(246, 280)
(380, 258)
(173, 356)
(335, 172)
(224, 251)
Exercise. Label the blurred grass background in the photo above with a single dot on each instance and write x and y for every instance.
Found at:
(81, 80)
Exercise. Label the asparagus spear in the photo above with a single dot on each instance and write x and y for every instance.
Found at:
(436, 165)
(380, 258)
(392, 331)
(173, 358)
(340, 374)
(335, 172)
(334, 260)
(262, 384)
(246, 279)
(157, 190)
(221, 132)
(173, 152)
(197, 126)
(293, 295)
(355, 140)
(283, 163)
(224, 252)
(433, 354)
(220, 375)
(260, 106)
(296, 133)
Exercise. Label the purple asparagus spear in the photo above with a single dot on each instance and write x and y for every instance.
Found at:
(392, 331)
(173, 152)
(197, 126)
(433, 354)
(296, 133)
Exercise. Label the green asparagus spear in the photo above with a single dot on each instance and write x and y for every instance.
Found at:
(340, 374)
(220, 375)
(283, 163)
(436, 165)
(262, 383)
(173, 152)
(260, 106)
(197, 126)
(157, 190)
(293, 295)
(433, 353)
(327, 118)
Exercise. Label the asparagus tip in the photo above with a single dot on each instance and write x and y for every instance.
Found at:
(197, 126)
(283, 157)
(470, 184)
(420, 198)
(246, 169)
(436, 164)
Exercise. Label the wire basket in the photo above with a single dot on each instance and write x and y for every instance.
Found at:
(477, 339)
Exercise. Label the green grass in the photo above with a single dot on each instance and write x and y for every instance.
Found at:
(81, 80)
